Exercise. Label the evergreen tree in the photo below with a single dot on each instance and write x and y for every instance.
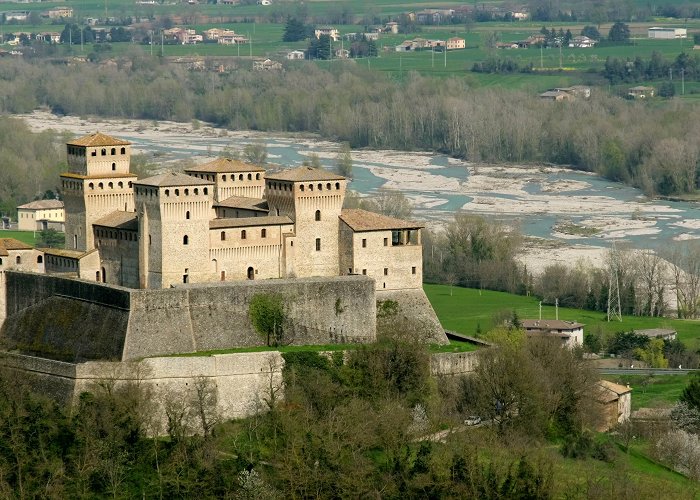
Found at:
(619, 32)
(691, 393)
(294, 30)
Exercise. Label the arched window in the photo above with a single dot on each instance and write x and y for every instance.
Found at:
(263, 233)
(223, 178)
(91, 185)
(18, 259)
(337, 185)
(196, 191)
(121, 185)
(251, 273)
(40, 259)
(206, 191)
(123, 151)
(223, 235)
(111, 185)
(114, 151)
(104, 275)
(301, 188)
(243, 234)
(187, 192)
(104, 152)
(317, 216)
(320, 186)
(185, 240)
(257, 177)
(101, 186)
(167, 192)
(187, 214)
(250, 177)
(240, 177)
(129, 183)
(311, 187)
(114, 166)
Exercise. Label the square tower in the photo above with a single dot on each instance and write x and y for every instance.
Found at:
(98, 183)
(231, 178)
(173, 212)
(313, 199)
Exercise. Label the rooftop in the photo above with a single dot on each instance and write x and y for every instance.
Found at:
(245, 203)
(656, 332)
(113, 175)
(97, 139)
(119, 220)
(273, 220)
(303, 174)
(42, 204)
(551, 324)
(363, 220)
(173, 179)
(225, 165)
(613, 389)
(12, 244)
(69, 254)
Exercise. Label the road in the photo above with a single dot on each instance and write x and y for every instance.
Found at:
(645, 371)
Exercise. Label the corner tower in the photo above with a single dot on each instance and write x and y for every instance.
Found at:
(173, 211)
(97, 183)
(313, 199)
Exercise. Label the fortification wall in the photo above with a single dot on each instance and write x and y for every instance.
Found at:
(453, 363)
(408, 311)
(72, 320)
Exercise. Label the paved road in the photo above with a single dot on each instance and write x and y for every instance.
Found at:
(644, 371)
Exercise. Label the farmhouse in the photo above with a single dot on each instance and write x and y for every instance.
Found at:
(570, 332)
(582, 42)
(455, 43)
(333, 33)
(40, 215)
(658, 333)
(641, 92)
(615, 401)
(556, 95)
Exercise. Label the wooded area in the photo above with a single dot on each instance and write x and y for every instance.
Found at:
(651, 146)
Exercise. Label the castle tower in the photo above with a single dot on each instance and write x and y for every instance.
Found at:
(231, 178)
(173, 211)
(313, 199)
(98, 183)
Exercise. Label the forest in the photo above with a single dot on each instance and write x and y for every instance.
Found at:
(650, 146)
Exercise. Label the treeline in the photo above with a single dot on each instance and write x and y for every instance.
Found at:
(618, 70)
(623, 141)
(502, 66)
(29, 163)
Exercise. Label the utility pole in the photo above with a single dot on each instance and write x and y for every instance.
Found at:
(614, 305)
(556, 309)
(161, 43)
(445, 55)
(541, 58)
(670, 74)
(682, 81)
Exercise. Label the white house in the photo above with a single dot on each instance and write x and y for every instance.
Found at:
(295, 54)
(582, 42)
(570, 332)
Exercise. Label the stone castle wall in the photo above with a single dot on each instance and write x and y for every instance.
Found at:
(73, 320)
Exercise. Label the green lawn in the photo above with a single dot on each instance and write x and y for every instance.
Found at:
(469, 311)
(28, 237)
(652, 391)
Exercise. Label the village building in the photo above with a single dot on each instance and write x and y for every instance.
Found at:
(582, 42)
(392, 27)
(556, 95)
(615, 403)
(295, 55)
(40, 215)
(640, 92)
(330, 31)
(456, 43)
(267, 65)
(59, 12)
(569, 332)
(19, 256)
(658, 333)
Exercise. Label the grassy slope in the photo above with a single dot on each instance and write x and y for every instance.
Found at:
(27, 237)
(653, 392)
(465, 310)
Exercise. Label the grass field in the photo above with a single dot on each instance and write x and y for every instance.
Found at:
(469, 311)
(652, 391)
(28, 237)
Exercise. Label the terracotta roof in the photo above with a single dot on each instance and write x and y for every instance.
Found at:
(245, 203)
(363, 220)
(119, 220)
(225, 165)
(303, 174)
(173, 179)
(97, 139)
(12, 244)
(616, 388)
(550, 324)
(273, 220)
(42, 204)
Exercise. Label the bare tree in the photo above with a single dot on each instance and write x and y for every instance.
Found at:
(651, 270)
(685, 267)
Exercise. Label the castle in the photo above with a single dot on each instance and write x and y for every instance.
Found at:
(170, 264)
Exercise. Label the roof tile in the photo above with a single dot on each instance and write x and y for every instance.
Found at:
(97, 139)
(363, 220)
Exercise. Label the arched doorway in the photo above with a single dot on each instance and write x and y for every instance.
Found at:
(251, 273)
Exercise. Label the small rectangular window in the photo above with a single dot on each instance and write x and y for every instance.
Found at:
(318, 244)
(386, 271)
(364, 242)
(413, 270)
(350, 270)
(386, 242)
(364, 271)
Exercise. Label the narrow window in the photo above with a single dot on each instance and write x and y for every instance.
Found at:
(328, 186)
(18, 260)
(123, 151)
(350, 270)
(97, 276)
(318, 215)
(104, 152)
(40, 259)
(364, 271)
(91, 185)
(243, 235)
(250, 177)
(185, 240)
(114, 166)
(364, 242)
(240, 177)
(93, 153)
(167, 192)
(386, 271)
(113, 151)
(187, 192)
(206, 191)
(318, 244)
(104, 275)
(263, 233)
(337, 185)
(386, 242)
(223, 275)
(223, 178)
(301, 188)
(413, 270)
(187, 214)
(223, 235)
(320, 187)
(177, 192)
(257, 177)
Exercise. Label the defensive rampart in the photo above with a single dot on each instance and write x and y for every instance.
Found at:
(73, 320)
